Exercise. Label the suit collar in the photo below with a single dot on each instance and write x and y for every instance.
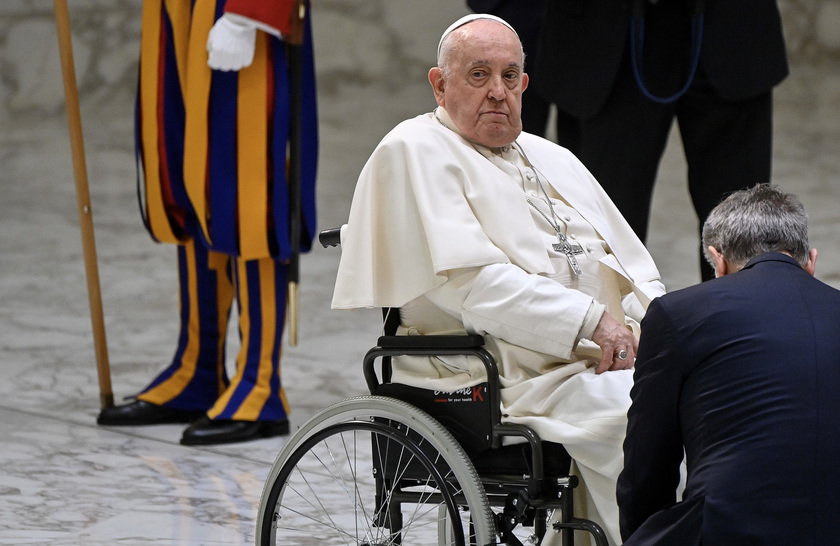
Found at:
(771, 257)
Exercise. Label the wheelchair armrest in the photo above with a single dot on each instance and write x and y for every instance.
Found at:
(441, 345)
(466, 345)
(330, 237)
(431, 342)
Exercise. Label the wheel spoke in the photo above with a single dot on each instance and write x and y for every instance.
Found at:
(381, 476)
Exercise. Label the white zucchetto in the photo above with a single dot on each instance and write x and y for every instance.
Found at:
(468, 19)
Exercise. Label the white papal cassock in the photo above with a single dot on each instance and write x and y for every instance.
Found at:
(459, 237)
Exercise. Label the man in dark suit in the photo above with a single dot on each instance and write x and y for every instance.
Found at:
(727, 56)
(741, 376)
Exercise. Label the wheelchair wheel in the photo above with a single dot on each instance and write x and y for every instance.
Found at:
(373, 471)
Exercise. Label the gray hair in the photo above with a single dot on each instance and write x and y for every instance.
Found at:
(756, 220)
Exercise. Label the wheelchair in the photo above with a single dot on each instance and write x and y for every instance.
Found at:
(411, 466)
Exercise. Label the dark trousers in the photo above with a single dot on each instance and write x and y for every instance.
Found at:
(727, 145)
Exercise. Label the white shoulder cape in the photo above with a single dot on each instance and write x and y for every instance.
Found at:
(427, 202)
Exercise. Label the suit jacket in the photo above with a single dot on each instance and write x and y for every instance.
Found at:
(743, 373)
(584, 42)
(484, 6)
(523, 15)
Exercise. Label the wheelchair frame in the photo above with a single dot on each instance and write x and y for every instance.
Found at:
(414, 474)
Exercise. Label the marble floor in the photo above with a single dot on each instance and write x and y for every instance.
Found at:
(66, 481)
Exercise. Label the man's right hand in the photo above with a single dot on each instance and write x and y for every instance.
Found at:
(613, 338)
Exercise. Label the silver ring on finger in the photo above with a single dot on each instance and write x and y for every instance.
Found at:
(622, 354)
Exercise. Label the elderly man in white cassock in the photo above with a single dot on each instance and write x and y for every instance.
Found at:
(469, 225)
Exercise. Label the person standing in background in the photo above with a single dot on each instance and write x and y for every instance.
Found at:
(212, 130)
(620, 73)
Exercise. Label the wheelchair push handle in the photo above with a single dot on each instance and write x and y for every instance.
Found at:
(330, 237)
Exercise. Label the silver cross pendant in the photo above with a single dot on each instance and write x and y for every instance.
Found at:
(569, 250)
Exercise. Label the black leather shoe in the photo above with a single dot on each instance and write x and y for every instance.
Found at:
(206, 431)
(144, 413)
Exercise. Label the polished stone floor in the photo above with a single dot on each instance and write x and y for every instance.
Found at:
(66, 481)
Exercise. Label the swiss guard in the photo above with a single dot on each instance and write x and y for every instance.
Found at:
(214, 119)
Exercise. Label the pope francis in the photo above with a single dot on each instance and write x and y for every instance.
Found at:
(467, 224)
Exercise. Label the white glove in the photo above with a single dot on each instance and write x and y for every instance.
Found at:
(231, 43)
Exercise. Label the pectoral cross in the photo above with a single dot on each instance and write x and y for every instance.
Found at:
(570, 251)
(563, 246)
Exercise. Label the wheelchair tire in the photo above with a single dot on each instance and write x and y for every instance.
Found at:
(326, 488)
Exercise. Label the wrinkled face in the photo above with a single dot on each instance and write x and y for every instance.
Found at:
(482, 85)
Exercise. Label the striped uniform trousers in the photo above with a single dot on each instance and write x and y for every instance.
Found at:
(197, 379)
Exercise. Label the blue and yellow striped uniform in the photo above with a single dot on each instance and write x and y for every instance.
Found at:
(213, 151)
